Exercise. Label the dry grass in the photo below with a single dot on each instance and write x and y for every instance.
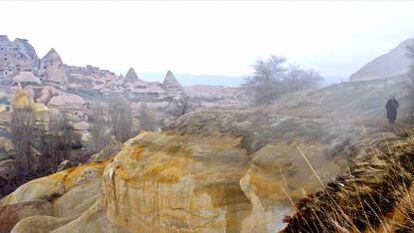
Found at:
(374, 196)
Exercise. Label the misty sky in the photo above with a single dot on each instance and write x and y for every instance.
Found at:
(221, 38)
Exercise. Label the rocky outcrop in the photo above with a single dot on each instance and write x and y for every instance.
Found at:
(111, 149)
(26, 77)
(16, 56)
(392, 64)
(131, 75)
(13, 213)
(196, 195)
(85, 214)
(72, 89)
(47, 93)
(66, 101)
(171, 83)
(195, 180)
(23, 100)
(52, 68)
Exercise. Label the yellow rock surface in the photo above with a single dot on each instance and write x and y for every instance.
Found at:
(278, 175)
(172, 182)
(22, 100)
(13, 213)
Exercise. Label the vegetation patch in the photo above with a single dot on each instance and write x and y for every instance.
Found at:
(363, 198)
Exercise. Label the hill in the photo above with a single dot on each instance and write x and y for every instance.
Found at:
(394, 63)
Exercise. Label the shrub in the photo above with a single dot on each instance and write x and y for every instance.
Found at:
(273, 78)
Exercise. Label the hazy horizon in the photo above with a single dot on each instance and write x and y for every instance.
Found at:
(200, 38)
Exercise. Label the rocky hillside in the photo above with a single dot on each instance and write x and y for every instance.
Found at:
(394, 63)
(74, 90)
(233, 170)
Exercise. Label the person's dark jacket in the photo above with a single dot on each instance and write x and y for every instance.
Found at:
(392, 105)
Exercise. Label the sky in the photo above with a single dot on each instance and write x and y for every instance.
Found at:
(221, 38)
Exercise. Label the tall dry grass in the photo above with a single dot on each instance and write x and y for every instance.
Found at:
(375, 195)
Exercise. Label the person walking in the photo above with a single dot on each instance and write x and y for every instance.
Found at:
(391, 107)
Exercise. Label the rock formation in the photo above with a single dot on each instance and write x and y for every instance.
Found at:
(171, 83)
(73, 89)
(66, 101)
(234, 170)
(131, 75)
(392, 64)
(16, 56)
(213, 170)
(26, 77)
(52, 68)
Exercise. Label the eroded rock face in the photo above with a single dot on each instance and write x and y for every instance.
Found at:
(66, 101)
(26, 77)
(168, 183)
(52, 68)
(171, 83)
(74, 195)
(47, 93)
(185, 181)
(112, 148)
(16, 56)
(131, 75)
(23, 100)
(13, 213)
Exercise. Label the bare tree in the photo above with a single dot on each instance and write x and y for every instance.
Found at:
(297, 79)
(182, 106)
(273, 78)
(120, 118)
(263, 85)
(99, 125)
(147, 120)
(55, 142)
(22, 128)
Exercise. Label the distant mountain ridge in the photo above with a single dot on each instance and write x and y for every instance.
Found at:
(394, 63)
